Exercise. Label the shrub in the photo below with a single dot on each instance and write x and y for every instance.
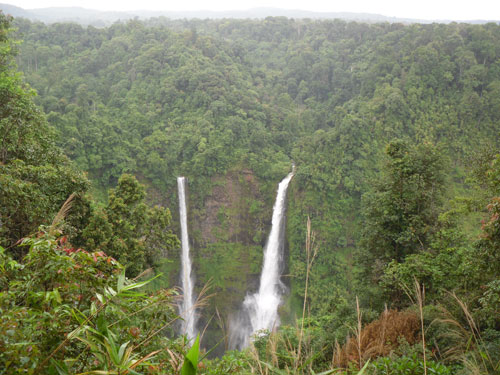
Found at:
(380, 337)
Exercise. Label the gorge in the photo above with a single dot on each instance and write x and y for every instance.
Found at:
(394, 131)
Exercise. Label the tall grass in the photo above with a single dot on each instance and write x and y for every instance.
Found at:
(311, 253)
(469, 346)
(420, 295)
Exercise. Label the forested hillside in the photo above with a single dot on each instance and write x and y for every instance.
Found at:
(393, 130)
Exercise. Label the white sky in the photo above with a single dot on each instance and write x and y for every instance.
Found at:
(421, 9)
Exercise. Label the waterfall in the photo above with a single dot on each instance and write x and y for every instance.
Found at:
(187, 310)
(260, 310)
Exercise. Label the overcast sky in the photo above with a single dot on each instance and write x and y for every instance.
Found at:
(421, 9)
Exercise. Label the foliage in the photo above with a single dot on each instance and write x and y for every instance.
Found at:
(407, 365)
(130, 231)
(401, 212)
(232, 362)
(60, 306)
(35, 177)
(190, 365)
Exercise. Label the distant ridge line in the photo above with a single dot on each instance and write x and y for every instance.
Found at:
(86, 16)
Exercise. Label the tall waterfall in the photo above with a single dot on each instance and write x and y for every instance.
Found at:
(187, 310)
(260, 310)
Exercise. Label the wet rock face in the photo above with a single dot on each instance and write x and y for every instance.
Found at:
(228, 233)
(232, 212)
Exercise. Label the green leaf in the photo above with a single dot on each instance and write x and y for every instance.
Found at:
(139, 284)
(121, 282)
(190, 365)
(121, 351)
(102, 326)
(362, 371)
(57, 295)
(61, 367)
(110, 291)
(273, 369)
(326, 372)
(100, 298)
(111, 347)
(78, 315)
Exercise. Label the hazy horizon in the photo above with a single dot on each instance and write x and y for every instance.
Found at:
(425, 9)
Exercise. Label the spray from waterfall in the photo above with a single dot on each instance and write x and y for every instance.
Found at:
(260, 310)
(187, 309)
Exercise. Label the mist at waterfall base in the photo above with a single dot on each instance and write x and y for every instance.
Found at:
(260, 310)
(186, 308)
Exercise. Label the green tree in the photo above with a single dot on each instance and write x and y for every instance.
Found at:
(401, 212)
(135, 234)
(35, 177)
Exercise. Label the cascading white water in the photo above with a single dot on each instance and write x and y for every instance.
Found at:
(187, 310)
(260, 310)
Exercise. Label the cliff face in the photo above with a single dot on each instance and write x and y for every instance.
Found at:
(228, 229)
(227, 235)
(232, 212)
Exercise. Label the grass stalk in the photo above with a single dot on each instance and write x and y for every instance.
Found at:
(358, 332)
(311, 252)
(420, 294)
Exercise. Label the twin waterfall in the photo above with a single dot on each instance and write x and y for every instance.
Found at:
(187, 309)
(260, 310)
